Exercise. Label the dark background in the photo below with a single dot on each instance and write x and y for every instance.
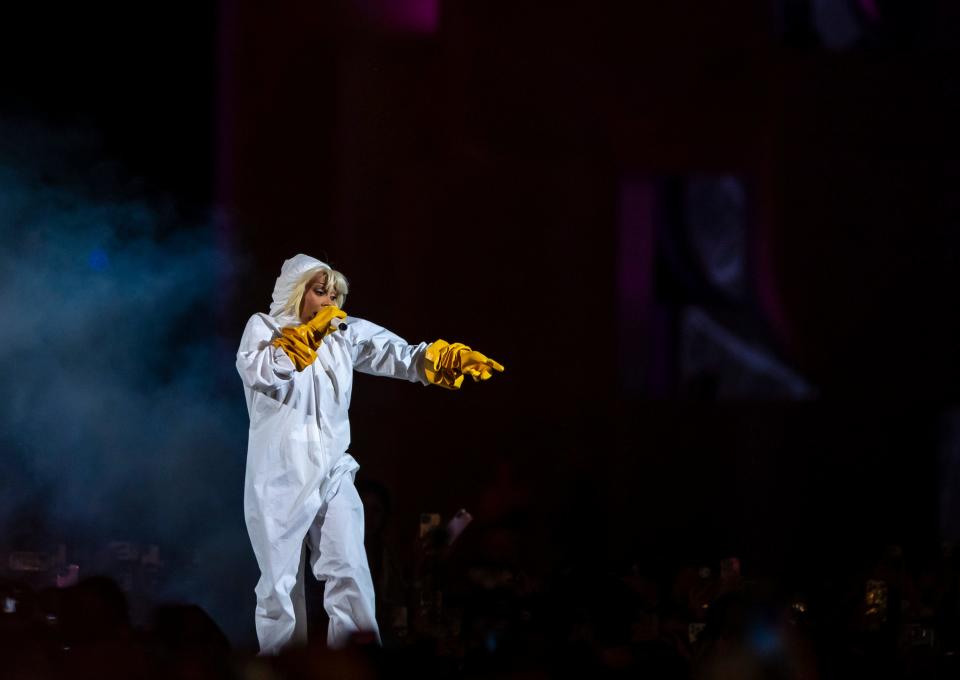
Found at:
(467, 181)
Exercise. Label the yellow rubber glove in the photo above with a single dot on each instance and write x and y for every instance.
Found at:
(446, 365)
(300, 343)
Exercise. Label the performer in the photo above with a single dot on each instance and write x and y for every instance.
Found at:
(297, 366)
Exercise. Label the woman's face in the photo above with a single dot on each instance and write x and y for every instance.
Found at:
(316, 296)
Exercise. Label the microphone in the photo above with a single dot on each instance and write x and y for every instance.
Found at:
(335, 324)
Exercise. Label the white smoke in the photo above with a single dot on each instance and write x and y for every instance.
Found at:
(116, 420)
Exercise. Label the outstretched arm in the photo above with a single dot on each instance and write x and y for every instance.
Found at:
(377, 351)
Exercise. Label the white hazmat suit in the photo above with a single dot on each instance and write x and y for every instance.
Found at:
(299, 490)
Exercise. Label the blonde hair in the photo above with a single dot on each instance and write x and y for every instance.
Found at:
(333, 278)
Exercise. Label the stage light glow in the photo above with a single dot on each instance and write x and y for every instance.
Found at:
(98, 260)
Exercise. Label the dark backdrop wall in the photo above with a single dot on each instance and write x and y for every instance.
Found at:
(466, 175)
(467, 180)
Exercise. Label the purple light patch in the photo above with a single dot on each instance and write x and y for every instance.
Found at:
(870, 8)
(414, 16)
(638, 337)
(636, 246)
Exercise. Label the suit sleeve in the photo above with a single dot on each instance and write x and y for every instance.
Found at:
(262, 367)
(377, 351)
